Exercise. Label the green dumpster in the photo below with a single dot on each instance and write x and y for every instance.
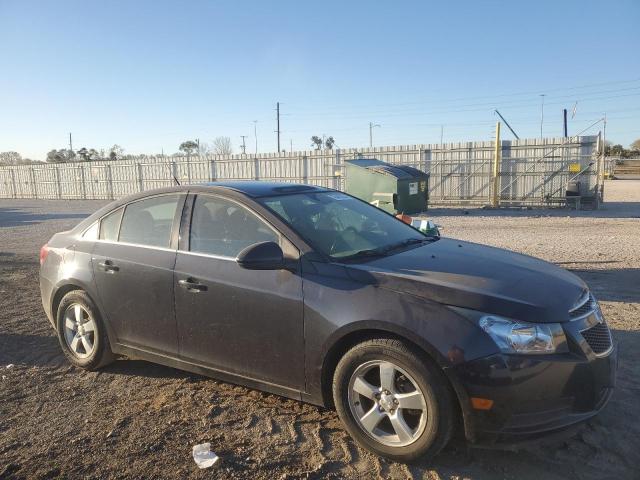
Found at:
(393, 188)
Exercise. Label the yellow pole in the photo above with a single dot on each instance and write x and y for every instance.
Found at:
(496, 168)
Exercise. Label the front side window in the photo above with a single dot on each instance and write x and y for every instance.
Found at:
(110, 224)
(225, 228)
(341, 226)
(149, 222)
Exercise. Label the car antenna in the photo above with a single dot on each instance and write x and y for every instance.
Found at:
(175, 179)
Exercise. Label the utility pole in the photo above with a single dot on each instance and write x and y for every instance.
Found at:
(244, 145)
(70, 143)
(291, 145)
(371, 127)
(495, 197)
(198, 147)
(255, 133)
(441, 133)
(564, 121)
(278, 123)
(542, 114)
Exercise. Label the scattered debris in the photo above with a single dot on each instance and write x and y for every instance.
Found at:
(203, 455)
(11, 365)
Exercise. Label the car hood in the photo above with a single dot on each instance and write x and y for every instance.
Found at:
(478, 277)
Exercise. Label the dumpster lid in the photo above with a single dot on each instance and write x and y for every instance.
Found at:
(398, 171)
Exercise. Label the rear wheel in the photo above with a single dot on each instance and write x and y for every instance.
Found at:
(393, 400)
(81, 332)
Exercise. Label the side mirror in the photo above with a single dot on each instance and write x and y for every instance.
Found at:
(261, 256)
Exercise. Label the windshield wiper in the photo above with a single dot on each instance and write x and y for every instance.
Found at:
(369, 252)
(382, 251)
(407, 242)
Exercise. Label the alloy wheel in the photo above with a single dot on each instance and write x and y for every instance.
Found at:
(79, 331)
(387, 403)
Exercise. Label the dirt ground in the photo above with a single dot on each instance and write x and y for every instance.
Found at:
(138, 420)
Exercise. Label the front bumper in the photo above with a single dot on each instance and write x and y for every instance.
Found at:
(534, 396)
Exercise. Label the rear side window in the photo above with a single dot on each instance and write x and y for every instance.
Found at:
(92, 232)
(109, 225)
(149, 222)
(224, 228)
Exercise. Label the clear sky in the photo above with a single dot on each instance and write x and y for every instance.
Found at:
(148, 75)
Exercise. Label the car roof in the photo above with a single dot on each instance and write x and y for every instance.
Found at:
(250, 188)
(255, 188)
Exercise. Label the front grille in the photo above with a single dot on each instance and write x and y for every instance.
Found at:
(585, 306)
(598, 337)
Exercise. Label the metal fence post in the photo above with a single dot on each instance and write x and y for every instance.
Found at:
(496, 168)
(212, 170)
(256, 168)
(110, 180)
(305, 169)
(59, 182)
(34, 188)
(13, 183)
(140, 179)
(337, 172)
(83, 182)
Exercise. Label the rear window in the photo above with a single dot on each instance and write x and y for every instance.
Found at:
(149, 222)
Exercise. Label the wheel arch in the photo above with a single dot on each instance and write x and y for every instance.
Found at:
(349, 339)
(71, 286)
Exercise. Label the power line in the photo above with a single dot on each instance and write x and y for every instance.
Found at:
(490, 97)
(442, 111)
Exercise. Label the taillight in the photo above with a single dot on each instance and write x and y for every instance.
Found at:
(44, 251)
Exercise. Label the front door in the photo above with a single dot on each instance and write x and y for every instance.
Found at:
(133, 268)
(245, 322)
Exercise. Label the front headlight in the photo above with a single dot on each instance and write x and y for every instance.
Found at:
(523, 337)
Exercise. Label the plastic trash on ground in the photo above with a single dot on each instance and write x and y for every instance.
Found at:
(203, 455)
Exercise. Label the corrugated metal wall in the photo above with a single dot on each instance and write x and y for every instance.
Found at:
(532, 172)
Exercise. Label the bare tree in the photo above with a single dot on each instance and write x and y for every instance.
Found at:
(10, 158)
(204, 148)
(222, 146)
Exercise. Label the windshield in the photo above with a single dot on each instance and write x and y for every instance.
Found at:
(341, 226)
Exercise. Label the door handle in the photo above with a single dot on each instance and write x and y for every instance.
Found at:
(192, 285)
(108, 266)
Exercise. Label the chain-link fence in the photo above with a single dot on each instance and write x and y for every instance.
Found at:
(530, 172)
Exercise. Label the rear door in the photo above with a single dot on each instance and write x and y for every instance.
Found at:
(246, 322)
(133, 268)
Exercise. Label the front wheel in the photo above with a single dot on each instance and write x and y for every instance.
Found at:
(393, 400)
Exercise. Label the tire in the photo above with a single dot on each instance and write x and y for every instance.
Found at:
(91, 326)
(399, 433)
